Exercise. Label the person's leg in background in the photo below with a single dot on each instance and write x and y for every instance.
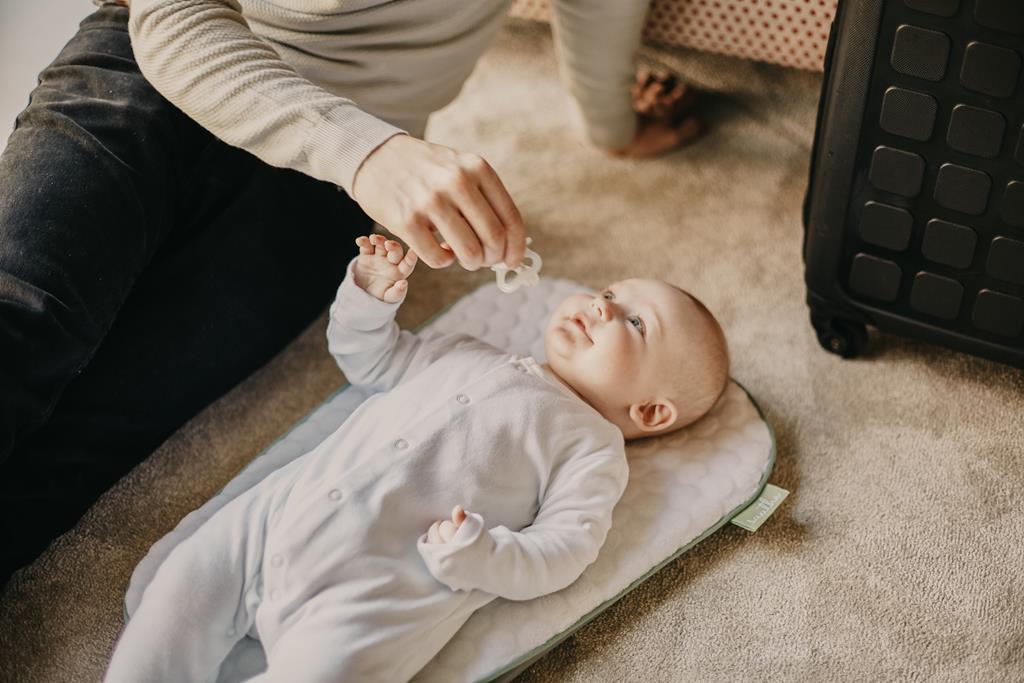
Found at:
(197, 264)
(84, 187)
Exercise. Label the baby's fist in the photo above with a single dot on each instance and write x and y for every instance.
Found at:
(442, 531)
(382, 268)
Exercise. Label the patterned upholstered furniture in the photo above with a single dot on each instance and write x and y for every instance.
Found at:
(787, 32)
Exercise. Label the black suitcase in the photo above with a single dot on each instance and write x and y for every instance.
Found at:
(914, 214)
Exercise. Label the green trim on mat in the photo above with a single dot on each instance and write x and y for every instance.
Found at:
(519, 664)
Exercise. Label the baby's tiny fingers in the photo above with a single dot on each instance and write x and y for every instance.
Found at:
(395, 252)
(365, 248)
(432, 533)
(395, 292)
(408, 263)
(446, 531)
(458, 515)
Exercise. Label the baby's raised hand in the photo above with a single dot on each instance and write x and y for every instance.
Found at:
(443, 530)
(382, 267)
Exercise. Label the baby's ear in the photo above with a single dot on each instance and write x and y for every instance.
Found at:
(653, 416)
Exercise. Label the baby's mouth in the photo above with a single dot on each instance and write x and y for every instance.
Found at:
(581, 324)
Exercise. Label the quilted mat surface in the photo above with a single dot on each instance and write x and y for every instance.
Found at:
(682, 487)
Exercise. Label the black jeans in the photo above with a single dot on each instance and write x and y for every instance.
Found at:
(145, 269)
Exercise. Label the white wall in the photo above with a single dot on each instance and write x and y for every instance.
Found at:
(32, 32)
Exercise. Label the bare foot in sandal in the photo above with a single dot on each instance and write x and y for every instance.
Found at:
(663, 105)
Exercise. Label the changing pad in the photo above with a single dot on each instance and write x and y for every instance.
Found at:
(682, 488)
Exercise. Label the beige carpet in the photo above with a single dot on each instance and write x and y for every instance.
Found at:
(899, 554)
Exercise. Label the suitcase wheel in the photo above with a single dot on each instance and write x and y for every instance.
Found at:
(846, 338)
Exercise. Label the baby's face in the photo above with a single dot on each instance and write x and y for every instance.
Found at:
(615, 347)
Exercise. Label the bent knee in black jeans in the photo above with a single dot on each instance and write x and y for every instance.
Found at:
(145, 268)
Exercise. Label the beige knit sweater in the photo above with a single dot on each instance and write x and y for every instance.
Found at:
(317, 85)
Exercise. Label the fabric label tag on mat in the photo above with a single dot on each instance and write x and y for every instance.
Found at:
(761, 509)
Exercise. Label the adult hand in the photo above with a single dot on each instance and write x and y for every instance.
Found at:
(664, 121)
(446, 205)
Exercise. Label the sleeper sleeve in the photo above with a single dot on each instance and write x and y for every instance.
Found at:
(596, 43)
(368, 345)
(202, 56)
(551, 553)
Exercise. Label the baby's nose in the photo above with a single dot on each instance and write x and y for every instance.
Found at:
(601, 307)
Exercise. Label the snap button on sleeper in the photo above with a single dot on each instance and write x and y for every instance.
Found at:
(401, 444)
(277, 560)
(462, 398)
(334, 494)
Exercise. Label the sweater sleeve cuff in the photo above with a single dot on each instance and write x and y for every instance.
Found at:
(339, 144)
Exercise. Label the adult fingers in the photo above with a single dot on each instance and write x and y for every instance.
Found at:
(420, 238)
(507, 212)
(458, 234)
(489, 229)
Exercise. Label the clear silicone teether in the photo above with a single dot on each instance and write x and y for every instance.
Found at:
(525, 275)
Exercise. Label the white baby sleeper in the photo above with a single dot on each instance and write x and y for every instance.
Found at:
(328, 550)
(689, 484)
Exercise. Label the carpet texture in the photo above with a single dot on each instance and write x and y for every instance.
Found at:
(899, 553)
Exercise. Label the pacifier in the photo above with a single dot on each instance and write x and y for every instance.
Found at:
(524, 275)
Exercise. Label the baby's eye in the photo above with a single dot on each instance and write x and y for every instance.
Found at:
(608, 295)
(637, 322)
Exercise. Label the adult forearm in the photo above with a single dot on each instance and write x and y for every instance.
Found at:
(202, 56)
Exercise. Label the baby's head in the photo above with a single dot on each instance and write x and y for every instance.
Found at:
(644, 353)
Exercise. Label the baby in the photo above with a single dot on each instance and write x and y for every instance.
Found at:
(346, 564)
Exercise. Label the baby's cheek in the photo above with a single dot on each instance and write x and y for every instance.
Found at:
(623, 374)
(621, 385)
